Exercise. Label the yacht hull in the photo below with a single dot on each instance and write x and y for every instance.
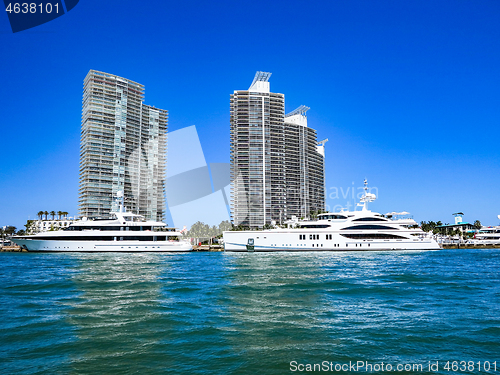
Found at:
(268, 241)
(102, 246)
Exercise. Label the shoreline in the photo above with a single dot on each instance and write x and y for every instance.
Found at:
(449, 246)
(12, 249)
(218, 248)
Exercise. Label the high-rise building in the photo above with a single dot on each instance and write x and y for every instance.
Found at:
(276, 165)
(304, 166)
(123, 148)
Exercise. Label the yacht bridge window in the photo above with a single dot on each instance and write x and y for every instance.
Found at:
(109, 228)
(315, 226)
(110, 238)
(332, 217)
(370, 219)
(133, 218)
(372, 236)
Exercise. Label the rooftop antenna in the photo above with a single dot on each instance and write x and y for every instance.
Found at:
(299, 111)
(260, 82)
(322, 143)
(261, 76)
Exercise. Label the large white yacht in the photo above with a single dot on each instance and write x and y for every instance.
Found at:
(358, 230)
(122, 232)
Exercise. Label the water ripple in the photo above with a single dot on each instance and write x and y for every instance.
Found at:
(213, 313)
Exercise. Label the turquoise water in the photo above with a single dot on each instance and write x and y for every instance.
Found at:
(225, 313)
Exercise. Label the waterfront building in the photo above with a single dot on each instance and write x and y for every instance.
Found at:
(459, 224)
(277, 167)
(38, 226)
(304, 166)
(123, 148)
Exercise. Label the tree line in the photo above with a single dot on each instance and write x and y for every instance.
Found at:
(437, 228)
(202, 230)
(10, 231)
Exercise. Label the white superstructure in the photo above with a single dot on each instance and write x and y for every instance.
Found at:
(123, 232)
(344, 231)
(487, 236)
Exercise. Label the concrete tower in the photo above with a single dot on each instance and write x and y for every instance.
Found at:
(123, 148)
(276, 169)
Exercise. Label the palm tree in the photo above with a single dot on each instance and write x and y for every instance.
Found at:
(52, 213)
(40, 214)
(477, 224)
(59, 214)
(46, 214)
(65, 214)
(10, 230)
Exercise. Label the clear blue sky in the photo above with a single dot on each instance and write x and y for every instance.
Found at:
(408, 92)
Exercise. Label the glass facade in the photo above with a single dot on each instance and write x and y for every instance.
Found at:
(304, 171)
(276, 171)
(123, 148)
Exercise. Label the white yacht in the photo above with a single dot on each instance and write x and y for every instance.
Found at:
(122, 232)
(487, 236)
(358, 230)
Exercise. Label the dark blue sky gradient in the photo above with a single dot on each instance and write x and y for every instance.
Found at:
(408, 92)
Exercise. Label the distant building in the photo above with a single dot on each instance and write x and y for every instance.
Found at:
(459, 224)
(277, 167)
(46, 225)
(123, 148)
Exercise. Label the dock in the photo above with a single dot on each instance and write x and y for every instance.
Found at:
(468, 246)
(208, 248)
(12, 248)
